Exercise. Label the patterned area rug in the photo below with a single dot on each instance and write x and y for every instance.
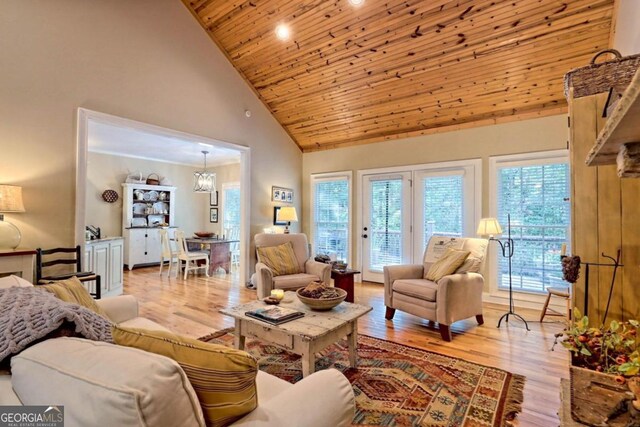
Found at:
(397, 385)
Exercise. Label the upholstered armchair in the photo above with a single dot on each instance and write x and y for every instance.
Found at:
(310, 270)
(454, 297)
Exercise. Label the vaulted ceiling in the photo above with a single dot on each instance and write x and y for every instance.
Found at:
(396, 68)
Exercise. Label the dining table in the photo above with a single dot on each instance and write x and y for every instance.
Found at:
(219, 251)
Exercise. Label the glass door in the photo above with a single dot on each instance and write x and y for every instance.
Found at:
(386, 223)
(444, 206)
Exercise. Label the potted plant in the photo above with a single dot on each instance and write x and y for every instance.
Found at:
(603, 360)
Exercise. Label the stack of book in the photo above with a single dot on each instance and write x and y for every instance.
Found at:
(274, 315)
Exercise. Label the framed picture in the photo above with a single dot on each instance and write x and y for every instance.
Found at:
(275, 216)
(280, 194)
(213, 199)
(213, 214)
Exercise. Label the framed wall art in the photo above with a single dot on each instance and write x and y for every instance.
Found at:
(213, 198)
(213, 214)
(281, 194)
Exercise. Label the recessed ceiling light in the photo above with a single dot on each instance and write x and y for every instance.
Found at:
(356, 2)
(283, 32)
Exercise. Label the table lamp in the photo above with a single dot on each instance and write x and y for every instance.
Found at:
(288, 214)
(10, 201)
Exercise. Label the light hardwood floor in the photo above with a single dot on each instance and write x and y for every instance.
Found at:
(191, 307)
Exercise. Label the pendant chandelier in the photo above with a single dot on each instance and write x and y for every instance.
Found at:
(204, 182)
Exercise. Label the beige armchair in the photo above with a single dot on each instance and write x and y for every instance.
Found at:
(311, 270)
(452, 298)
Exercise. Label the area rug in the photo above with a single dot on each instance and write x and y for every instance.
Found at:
(398, 385)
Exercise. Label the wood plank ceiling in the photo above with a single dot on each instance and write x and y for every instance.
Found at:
(396, 68)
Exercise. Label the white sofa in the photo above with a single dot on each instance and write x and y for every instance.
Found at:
(324, 399)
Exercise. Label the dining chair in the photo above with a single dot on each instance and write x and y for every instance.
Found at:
(234, 234)
(167, 253)
(190, 258)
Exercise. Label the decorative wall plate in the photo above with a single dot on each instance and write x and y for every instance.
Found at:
(110, 196)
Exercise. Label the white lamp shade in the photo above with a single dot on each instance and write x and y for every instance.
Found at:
(11, 198)
(287, 214)
(489, 227)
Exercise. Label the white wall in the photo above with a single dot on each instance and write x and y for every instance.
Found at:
(627, 36)
(147, 60)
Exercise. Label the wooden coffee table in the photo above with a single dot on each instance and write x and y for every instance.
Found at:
(304, 336)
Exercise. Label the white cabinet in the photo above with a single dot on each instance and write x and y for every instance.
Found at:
(146, 208)
(142, 246)
(105, 258)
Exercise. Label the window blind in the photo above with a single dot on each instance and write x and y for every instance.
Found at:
(443, 206)
(231, 214)
(386, 223)
(535, 196)
(331, 217)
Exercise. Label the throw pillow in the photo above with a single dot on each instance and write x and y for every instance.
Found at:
(280, 259)
(72, 290)
(224, 378)
(447, 264)
(14, 282)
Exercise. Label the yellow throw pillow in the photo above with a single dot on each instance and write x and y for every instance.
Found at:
(447, 264)
(280, 259)
(73, 291)
(224, 378)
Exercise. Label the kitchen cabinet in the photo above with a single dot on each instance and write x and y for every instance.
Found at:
(146, 209)
(105, 257)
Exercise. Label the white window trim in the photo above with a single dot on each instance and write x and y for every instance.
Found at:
(318, 177)
(226, 186)
(415, 169)
(495, 295)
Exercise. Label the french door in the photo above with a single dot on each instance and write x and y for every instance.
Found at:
(402, 210)
(386, 223)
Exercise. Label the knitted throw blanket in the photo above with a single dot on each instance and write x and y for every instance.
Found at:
(29, 314)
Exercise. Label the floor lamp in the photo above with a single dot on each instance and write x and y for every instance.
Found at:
(490, 227)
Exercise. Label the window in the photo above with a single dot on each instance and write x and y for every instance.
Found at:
(534, 193)
(443, 202)
(331, 214)
(231, 208)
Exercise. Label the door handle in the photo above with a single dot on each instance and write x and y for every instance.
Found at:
(364, 236)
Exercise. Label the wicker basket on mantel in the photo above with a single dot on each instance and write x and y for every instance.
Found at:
(603, 76)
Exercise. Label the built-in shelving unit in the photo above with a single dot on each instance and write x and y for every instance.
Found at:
(621, 132)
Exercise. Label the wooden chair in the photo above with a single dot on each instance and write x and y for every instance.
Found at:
(234, 234)
(45, 260)
(190, 258)
(167, 253)
(561, 293)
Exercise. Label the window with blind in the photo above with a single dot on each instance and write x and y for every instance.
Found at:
(231, 208)
(535, 193)
(443, 206)
(386, 223)
(331, 214)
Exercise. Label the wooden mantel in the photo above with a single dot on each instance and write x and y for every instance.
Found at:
(619, 140)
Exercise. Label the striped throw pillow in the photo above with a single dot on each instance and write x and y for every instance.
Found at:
(447, 264)
(223, 378)
(280, 259)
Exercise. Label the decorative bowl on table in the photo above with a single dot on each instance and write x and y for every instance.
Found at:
(321, 297)
(204, 234)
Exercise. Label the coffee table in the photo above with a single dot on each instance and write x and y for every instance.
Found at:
(304, 336)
